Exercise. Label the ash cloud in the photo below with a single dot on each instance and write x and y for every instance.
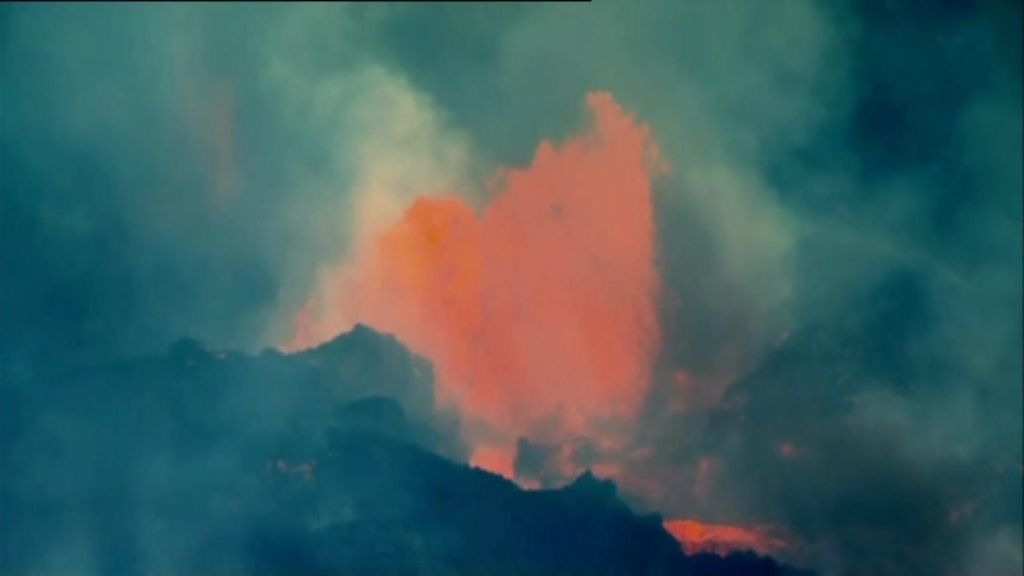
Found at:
(186, 170)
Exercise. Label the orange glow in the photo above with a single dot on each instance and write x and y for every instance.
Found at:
(538, 313)
(697, 537)
(788, 451)
(500, 462)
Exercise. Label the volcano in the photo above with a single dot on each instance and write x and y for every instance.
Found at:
(329, 461)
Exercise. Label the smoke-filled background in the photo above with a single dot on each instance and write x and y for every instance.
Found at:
(757, 262)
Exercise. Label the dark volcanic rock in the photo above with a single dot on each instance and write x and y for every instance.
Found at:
(329, 461)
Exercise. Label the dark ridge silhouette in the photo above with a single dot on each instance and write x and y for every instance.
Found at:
(328, 461)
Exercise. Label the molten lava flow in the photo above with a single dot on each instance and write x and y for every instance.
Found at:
(538, 313)
(722, 539)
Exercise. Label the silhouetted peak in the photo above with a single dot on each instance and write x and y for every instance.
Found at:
(360, 334)
(362, 342)
(591, 487)
(365, 362)
(361, 329)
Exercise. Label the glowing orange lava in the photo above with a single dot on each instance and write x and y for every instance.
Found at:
(697, 537)
(539, 313)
